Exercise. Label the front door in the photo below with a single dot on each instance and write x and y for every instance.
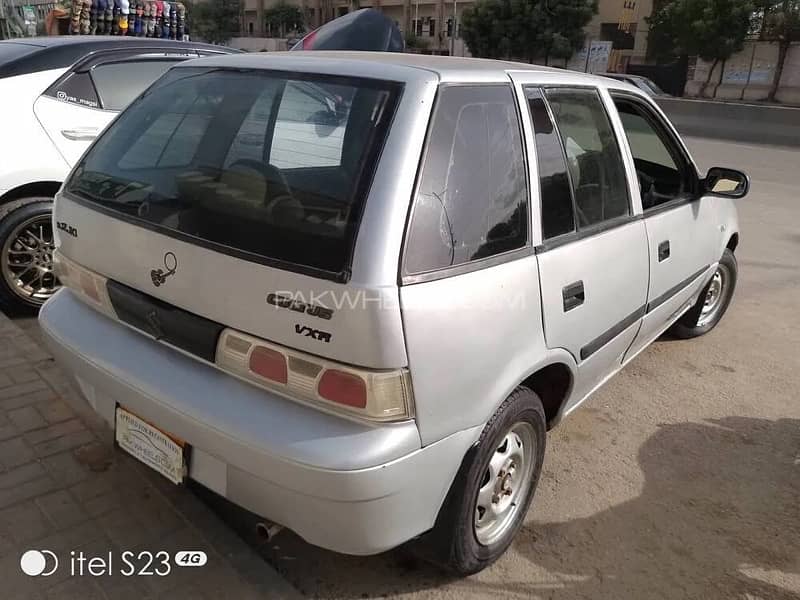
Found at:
(593, 264)
(680, 224)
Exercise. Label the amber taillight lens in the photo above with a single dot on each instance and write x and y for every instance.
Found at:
(87, 285)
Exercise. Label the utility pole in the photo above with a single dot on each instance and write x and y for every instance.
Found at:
(454, 29)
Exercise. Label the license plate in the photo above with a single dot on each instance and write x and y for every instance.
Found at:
(150, 445)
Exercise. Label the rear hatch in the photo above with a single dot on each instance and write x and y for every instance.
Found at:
(231, 198)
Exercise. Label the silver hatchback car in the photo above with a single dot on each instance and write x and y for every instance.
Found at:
(351, 292)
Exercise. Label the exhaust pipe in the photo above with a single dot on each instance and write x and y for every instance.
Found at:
(267, 530)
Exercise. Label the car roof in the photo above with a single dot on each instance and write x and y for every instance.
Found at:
(55, 52)
(388, 65)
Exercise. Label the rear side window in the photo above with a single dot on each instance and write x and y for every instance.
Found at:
(76, 88)
(594, 160)
(119, 83)
(207, 155)
(471, 199)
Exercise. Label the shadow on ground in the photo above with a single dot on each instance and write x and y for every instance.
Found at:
(719, 517)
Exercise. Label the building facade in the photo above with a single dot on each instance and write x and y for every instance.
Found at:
(433, 26)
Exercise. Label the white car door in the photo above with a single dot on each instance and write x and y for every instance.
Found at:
(80, 105)
(681, 223)
(593, 267)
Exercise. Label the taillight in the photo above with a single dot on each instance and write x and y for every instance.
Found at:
(269, 364)
(371, 394)
(343, 388)
(88, 285)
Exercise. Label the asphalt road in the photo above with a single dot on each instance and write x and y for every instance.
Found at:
(679, 479)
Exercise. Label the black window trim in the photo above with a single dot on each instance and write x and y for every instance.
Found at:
(579, 234)
(596, 229)
(406, 278)
(661, 126)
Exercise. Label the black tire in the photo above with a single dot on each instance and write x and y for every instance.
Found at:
(12, 215)
(691, 325)
(453, 543)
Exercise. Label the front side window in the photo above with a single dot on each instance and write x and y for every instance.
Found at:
(594, 160)
(472, 196)
(660, 168)
(265, 164)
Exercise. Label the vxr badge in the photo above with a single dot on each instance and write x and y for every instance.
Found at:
(159, 276)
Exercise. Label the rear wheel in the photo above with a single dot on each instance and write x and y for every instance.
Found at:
(490, 496)
(27, 279)
(712, 302)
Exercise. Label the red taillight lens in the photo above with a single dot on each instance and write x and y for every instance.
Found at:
(343, 388)
(376, 395)
(269, 364)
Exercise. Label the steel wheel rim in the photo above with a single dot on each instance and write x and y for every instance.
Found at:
(26, 260)
(715, 296)
(505, 484)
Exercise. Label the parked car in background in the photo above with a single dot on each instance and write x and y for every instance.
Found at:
(648, 86)
(56, 95)
(366, 341)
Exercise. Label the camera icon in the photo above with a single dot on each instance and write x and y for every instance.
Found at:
(34, 563)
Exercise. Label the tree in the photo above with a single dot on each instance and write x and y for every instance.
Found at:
(780, 22)
(710, 29)
(526, 28)
(215, 21)
(284, 18)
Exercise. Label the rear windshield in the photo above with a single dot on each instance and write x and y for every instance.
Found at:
(268, 165)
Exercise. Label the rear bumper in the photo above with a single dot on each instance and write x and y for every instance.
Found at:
(342, 485)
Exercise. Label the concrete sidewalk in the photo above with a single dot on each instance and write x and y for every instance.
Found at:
(64, 488)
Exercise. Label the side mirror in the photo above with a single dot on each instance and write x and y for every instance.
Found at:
(728, 183)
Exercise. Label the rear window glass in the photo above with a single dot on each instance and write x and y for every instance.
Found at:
(269, 165)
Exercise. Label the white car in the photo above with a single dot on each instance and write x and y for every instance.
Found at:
(56, 95)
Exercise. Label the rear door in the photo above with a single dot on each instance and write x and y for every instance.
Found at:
(81, 104)
(593, 267)
(680, 223)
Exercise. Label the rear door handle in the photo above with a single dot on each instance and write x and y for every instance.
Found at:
(573, 295)
(663, 251)
(80, 134)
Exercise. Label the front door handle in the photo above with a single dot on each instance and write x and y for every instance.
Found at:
(663, 251)
(573, 295)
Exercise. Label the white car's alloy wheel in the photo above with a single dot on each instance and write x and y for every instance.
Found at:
(26, 260)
